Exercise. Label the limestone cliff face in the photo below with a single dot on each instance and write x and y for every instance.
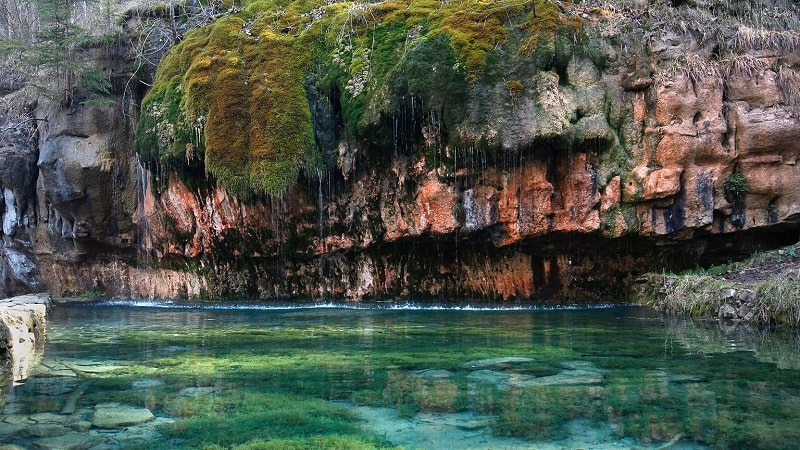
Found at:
(647, 153)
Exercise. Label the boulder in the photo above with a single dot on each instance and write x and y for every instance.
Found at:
(496, 363)
(198, 391)
(115, 415)
(69, 441)
(44, 430)
(22, 328)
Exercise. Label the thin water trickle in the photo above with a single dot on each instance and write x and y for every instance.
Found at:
(321, 236)
(322, 375)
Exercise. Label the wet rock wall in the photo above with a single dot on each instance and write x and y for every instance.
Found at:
(564, 188)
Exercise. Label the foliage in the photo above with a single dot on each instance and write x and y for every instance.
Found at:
(703, 291)
(735, 187)
(41, 45)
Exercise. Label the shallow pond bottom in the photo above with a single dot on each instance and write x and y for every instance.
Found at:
(154, 375)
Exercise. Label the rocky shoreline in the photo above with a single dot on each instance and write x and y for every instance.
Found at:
(762, 290)
(23, 321)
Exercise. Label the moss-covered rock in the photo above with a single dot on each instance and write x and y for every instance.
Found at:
(233, 94)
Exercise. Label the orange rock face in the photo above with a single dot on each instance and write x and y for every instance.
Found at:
(492, 231)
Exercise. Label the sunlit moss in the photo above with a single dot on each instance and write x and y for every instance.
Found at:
(543, 22)
(326, 442)
(232, 96)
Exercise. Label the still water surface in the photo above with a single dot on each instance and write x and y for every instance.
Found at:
(254, 377)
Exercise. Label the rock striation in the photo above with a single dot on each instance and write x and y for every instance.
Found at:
(566, 176)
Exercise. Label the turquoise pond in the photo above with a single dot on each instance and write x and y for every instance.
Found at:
(165, 375)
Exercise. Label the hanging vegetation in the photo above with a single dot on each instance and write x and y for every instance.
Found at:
(235, 94)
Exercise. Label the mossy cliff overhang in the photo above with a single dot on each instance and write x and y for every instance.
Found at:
(584, 134)
(238, 97)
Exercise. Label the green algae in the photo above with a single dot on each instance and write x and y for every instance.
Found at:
(277, 379)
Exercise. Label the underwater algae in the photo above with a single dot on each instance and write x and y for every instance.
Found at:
(306, 378)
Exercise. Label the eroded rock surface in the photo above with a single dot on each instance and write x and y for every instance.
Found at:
(22, 333)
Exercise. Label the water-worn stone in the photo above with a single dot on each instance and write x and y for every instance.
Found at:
(12, 447)
(115, 415)
(22, 331)
(69, 441)
(565, 378)
(81, 426)
(469, 424)
(505, 380)
(147, 383)
(50, 385)
(44, 430)
(9, 429)
(198, 391)
(89, 366)
(433, 374)
(496, 363)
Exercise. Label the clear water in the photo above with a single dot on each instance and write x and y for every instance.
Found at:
(326, 377)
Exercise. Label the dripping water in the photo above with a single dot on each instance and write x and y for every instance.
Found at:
(143, 237)
(323, 245)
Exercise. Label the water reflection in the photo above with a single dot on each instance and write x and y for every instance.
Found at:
(780, 347)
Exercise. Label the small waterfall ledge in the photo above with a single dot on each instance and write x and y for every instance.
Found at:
(22, 333)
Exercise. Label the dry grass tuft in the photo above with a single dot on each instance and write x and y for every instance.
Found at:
(789, 84)
(695, 295)
(693, 67)
(778, 301)
(751, 39)
(744, 65)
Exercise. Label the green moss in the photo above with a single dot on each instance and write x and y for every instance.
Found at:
(252, 121)
(326, 442)
(232, 97)
(543, 22)
(735, 187)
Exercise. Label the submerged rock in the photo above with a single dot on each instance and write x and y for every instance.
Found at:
(469, 424)
(9, 429)
(69, 441)
(499, 379)
(115, 415)
(433, 374)
(147, 383)
(565, 378)
(579, 365)
(50, 385)
(44, 430)
(198, 391)
(91, 367)
(496, 363)
(11, 447)
(505, 380)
